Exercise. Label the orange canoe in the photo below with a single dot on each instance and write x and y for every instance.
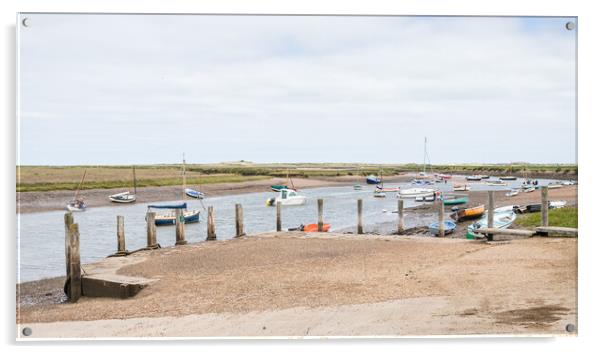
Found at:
(469, 213)
(314, 228)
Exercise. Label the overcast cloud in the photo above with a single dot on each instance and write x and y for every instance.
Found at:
(122, 89)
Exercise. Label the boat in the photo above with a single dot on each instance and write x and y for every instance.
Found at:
(455, 201)
(387, 190)
(372, 179)
(448, 227)
(421, 182)
(468, 213)
(508, 178)
(357, 187)
(554, 186)
(442, 176)
(512, 193)
(557, 204)
(278, 187)
(314, 228)
(502, 219)
(473, 178)
(568, 183)
(379, 194)
(287, 197)
(78, 204)
(461, 188)
(529, 190)
(496, 183)
(194, 193)
(484, 176)
(190, 216)
(126, 197)
(415, 192)
(427, 198)
(423, 175)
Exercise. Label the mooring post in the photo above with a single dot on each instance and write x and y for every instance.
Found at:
(68, 222)
(120, 236)
(180, 222)
(239, 221)
(151, 231)
(400, 225)
(278, 216)
(441, 218)
(75, 275)
(360, 223)
(544, 206)
(320, 215)
(490, 209)
(210, 224)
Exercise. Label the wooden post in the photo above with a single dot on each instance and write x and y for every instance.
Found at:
(75, 276)
(360, 223)
(544, 206)
(151, 231)
(278, 216)
(180, 222)
(400, 225)
(120, 236)
(68, 222)
(239, 221)
(441, 218)
(490, 209)
(320, 215)
(210, 224)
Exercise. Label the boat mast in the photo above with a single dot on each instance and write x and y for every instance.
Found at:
(183, 176)
(424, 158)
(80, 184)
(134, 172)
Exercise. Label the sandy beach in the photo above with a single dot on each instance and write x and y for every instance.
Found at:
(296, 284)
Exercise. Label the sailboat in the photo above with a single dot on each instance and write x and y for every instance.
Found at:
(423, 174)
(77, 204)
(192, 193)
(190, 216)
(126, 197)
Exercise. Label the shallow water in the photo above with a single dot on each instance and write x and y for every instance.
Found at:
(41, 236)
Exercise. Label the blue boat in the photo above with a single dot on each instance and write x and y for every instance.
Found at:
(372, 179)
(190, 216)
(449, 227)
(194, 194)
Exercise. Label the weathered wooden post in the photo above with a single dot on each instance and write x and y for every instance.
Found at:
(441, 218)
(68, 222)
(490, 209)
(74, 275)
(210, 225)
(278, 216)
(400, 225)
(120, 236)
(151, 231)
(360, 223)
(544, 206)
(239, 221)
(180, 222)
(320, 215)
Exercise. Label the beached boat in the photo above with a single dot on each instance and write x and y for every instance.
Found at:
(512, 193)
(455, 200)
(448, 226)
(461, 188)
(473, 178)
(314, 228)
(194, 193)
(126, 197)
(78, 204)
(190, 216)
(387, 190)
(415, 192)
(529, 190)
(357, 187)
(287, 197)
(372, 179)
(379, 194)
(508, 178)
(502, 219)
(468, 213)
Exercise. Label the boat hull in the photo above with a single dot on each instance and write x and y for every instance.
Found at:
(455, 201)
(170, 219)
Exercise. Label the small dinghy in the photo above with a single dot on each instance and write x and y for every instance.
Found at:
(125, 197)
(379, 194)
(194, 194)
(455, 200)
(448, 226)
(468, 213)
(512, 193)
(76, 205)
(529, 190)
(502, 219)
(310, 228)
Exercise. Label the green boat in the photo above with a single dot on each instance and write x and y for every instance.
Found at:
(455, 201)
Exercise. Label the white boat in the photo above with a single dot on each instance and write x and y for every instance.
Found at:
(529, 190)
(502, 219)
(124, 197)
(287, 197)
(379, 194)
(512, 193)
(557, 204)
(427, 198)
(415, 192)
(568, 183)
(77, 204)
(461, 188)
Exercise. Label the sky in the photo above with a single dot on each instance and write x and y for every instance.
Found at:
(143, 89)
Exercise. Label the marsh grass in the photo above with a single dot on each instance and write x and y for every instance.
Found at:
(565, 217)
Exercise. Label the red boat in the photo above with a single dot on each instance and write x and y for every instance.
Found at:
(314, 228)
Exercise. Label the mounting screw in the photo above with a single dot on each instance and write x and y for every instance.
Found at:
(570, 25)
(570, 328)
(25, 22)
(27, 331)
